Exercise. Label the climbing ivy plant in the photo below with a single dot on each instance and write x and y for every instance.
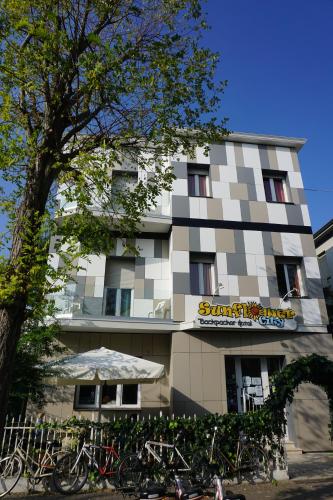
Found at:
(313, 369)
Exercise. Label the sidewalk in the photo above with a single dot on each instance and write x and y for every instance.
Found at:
(311, 466)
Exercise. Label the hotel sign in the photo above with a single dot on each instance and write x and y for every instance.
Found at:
(245, 315)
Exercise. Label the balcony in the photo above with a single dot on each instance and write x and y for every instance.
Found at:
(115, 303)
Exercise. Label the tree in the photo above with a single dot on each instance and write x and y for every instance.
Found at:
(81, 82)
(38, 342)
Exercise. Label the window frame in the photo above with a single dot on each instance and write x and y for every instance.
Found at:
(298, 263)
(272, 175)
(118, 302)
(200, 260)
(107, 406)
(197, 170)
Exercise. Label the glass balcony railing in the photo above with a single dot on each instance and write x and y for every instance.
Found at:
(116, 302)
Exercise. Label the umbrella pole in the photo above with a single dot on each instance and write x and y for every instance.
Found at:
(100, 402)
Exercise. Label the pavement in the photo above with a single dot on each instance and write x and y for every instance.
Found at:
(311, 478)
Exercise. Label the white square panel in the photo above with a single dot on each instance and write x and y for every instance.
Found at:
(179, 187)
(231, 210)
(96, 265)
(191, 306)
(203, 208)
(306, 215)
(180, 262)
(162, 289)
(230, 150)
(261, 265)
(194, 207)
(251, 156)
(284, 159)
(261, 196)
(295, 180)
(201, 157)
(221, 263)
(253, 242)
(99, 286)
(146, 247)
(221, 190)
(277, 213)
(311, 267)
(207, 239)
(143, 308)
(311, 312)
(233, 285)
(228, 173)
(153, 268)
(251, 264)
(263, 286)
(291, 244)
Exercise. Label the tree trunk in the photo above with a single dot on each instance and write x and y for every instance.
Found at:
(21, 260)
(11, 320)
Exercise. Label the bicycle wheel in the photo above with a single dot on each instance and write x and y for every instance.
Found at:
(69, 474)
(10, 472)
(202, 472)
(253, 464)
(130, 472)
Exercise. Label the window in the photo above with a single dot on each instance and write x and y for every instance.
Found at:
(198, 180)
(119, 285)
(112, 396)
(275, 187)
(201, 273)
(122, 181)
(289, 277)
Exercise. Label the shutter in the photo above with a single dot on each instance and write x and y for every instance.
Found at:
(119, 273)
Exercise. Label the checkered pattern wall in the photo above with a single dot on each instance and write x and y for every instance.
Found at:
(244, 258)
(237, 188)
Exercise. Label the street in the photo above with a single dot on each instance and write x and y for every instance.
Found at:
(284, 490)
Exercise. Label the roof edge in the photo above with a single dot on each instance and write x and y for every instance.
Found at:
(323, 234)
(273, 140)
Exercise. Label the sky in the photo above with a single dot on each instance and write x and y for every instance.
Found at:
(278, 59)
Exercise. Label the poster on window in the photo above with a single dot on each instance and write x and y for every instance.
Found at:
(244, 316)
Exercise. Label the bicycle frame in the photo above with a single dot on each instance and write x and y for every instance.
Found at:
(150, 445)
(28, 461)
(85, 450)
(232, 465)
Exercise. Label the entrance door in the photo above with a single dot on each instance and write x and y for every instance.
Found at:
(247, 382)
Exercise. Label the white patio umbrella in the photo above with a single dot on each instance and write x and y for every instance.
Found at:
(101, 366)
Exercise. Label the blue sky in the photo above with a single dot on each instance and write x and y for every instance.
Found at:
(277, 57)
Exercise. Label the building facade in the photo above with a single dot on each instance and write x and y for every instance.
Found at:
(225, 291)
(323, 240)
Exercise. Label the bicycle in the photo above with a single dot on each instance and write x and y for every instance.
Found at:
(71, 472)
(12, 466)
(154, 461)
(250, 463)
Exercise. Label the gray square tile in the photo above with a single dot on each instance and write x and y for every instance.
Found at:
(294, 215)
(194, 238)
(239, 241)
(149, 289)
(180, 206)
(236, 264)
(181, 283)
(245, 174)
(263, 154)
(179, 169)
(239, 157)
(245, 211)
(314, 288)
(267, 241)
(218, 154)
(158, 249)
(139, 268)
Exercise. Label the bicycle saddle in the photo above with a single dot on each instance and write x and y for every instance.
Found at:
(153, 492)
